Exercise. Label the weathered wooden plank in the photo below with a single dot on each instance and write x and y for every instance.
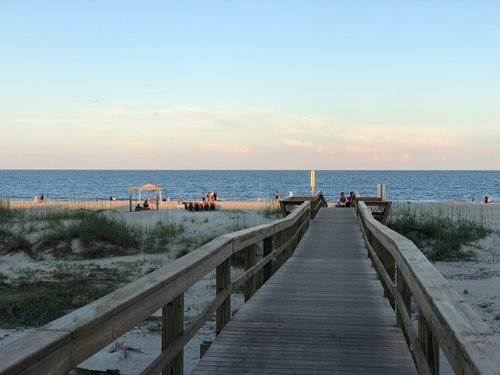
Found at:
(172, 329)
(38, 345)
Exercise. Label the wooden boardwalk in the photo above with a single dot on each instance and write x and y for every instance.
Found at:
(323, 312)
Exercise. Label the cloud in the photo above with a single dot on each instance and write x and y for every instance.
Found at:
(227, 149)
(318, 148)
(282, 138)
(297, 143)
(413, 137)
(196, 118)
(306, 126)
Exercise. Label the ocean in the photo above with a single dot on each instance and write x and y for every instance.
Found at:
(248, 185)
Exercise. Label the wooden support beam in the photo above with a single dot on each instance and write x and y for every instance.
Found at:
(405, 293)
(279, 239)
(223, 280)
(173, 327)
(250, 260)
(429, 344)
(268, 249)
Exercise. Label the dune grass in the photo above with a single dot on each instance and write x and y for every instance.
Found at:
(36, 297)
(439, 234)
(161, 237)
(99, 235)
(272, 211)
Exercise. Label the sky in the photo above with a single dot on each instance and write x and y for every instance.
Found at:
(104, 84)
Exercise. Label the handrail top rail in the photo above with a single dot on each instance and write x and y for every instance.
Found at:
(475, 346)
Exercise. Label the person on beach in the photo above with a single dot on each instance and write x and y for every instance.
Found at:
(145, 204)
(216, 196)
(41, 198)
(203, 197)
(342, 200)
(277, 196)
(350, 200)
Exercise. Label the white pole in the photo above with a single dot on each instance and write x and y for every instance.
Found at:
(381, 191)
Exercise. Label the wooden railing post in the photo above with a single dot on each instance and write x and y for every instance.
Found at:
(223, 280)
(279, 242)
(390, 267)
(268, 249)
(429, 344)
(173, 327)
(405, 292)
(375, 245)
(289, 249)
(250, 260)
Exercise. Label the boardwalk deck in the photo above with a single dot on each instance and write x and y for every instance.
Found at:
(323, 312)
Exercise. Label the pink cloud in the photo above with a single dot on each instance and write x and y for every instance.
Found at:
(320, 149)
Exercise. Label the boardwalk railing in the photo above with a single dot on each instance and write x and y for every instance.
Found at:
(61, 345)
(445, 320)
(317, 201)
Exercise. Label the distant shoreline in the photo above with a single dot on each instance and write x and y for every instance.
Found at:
(124, 204)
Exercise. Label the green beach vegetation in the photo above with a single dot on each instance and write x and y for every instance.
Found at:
(440, 234)
(71, 254)
(272, 211)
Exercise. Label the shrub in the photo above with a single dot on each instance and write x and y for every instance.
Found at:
(14, 243)
(100, 237)
(445, 233)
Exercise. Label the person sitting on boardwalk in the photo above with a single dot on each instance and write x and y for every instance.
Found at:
(350, 200)
(342, 200)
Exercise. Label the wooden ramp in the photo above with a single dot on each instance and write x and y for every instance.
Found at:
(323, 312)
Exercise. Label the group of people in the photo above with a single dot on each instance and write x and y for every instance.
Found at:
(211, 196)
(146, 205)
(39, 199)
(486, 200)
(345, 202)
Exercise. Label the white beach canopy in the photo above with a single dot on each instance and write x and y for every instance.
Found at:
(147, 187)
